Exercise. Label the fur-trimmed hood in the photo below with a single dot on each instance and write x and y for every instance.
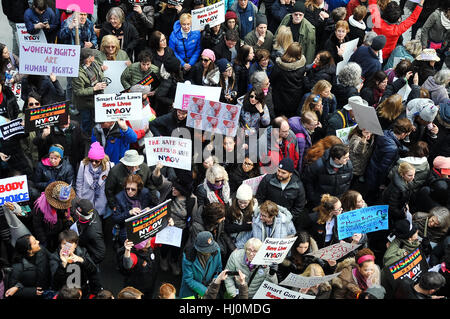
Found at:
(292, 66)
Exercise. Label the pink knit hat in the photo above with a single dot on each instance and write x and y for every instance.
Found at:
(209, 54)
(96, 152)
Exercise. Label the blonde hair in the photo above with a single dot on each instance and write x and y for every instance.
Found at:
(104, 162)
(110, 40)
(310, 104)
(283, 38)
(326, 207)
(54, 152)
(313, 270)
(320, 86)
(253, 242)
(184, 17)
(414, 47)
(404, 168)
(214, 171)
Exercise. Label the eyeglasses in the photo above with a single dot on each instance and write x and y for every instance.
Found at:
(34, 104)
(110, 46)
(130, 189)
(337, 210)
(251, 251)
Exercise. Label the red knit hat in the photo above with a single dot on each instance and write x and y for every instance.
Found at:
(230, 15)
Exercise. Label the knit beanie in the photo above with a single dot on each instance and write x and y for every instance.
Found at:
(261, 19)
(209, 54)
(223, 64)
(244, 192)
(230, 15)
(299, 6)
(377, 291)
(287, 164)
(403, 229)
(378, 43)
(96, 152)
(424, 108)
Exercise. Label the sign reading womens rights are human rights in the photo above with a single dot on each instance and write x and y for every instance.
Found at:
(362, 221)
(47, 58)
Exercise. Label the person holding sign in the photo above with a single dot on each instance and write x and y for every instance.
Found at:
(139, 70)
(110, 50)
(336, 42)
(134, 199)
(78, 22)
(357, 275)
(321, 291)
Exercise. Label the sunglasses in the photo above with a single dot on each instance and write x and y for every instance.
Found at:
(252, 96)
(34, 104)
(206, 60)
(130, 189)
(219, 181)
(95, 161)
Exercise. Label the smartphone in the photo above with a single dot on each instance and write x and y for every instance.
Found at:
(232, 273)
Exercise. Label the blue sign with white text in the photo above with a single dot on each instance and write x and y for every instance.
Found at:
(362, 221)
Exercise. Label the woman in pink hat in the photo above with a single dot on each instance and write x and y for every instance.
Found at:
(91, 178)
(205, 72)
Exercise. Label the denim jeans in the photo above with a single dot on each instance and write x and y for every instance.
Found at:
(87, 120)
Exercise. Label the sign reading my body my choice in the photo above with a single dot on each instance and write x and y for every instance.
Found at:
(46, 58)
(14, 189)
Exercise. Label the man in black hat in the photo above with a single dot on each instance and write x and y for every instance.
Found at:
(88, 226)
(368, 57)
(284, 188)
(260, 37)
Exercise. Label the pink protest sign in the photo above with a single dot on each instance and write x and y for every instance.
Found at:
(86, 6)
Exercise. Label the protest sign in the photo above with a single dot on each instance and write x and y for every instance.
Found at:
(23, 36)
(254, 182)
(273, 251)
(404, 92)
(170, 235)
(349, 49)
(47, 115)
(213, 15)
(86, 6)
(367, 118)
(362, 221)
(113, 72)
(186, 90)
(147, 224)
(344, 133)
(412, 266)
(270, 290)
(334, 252)
(170, 151)
(212, 116)
(14, 189)
(46, 58)
(174, 2)
(12, 128)
(112, 107)
(299, 281)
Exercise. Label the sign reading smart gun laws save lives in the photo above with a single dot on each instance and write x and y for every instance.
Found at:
(14, 189)
(270, 290)
(147, 223)
(47, 115)
(46, 58)
(273, 251)
(362, 221)
(411, 266)
(113, 107)
(23, 36)
(170, 151)
(213, 15)
(12, 128)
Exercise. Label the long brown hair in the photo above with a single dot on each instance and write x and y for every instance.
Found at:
(293, 53)
(316, 151)
(326, 208)
(234, 212)
(390, 108)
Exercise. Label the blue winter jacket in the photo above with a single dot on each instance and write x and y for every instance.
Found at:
(31, 18)
(86, 32)
(246, 17)
(195, 279)
(191, 48)
(116, 143)
(367, 59)
(333, 4)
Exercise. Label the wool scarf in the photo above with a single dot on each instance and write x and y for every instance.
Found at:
(445, 21)
(95, 173)
(212, 192)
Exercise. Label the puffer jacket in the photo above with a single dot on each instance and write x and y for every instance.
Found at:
(397, 195)
(186, 50)
(288, 85)
(320, 178)
(303, 139)
(282, 226)
(237, 262)
(45, 173)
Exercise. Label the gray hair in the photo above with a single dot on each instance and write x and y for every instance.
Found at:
(414, 47)
(116, 11)
(442, 77)
(258, 78)
(215, 171)
(442, 214)
(368, 38)
(350, 75)
(253, 242)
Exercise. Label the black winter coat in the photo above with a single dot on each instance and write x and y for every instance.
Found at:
(164, 125)
(46, 233)
(287, 86)
(30, 273)
(51, 92)
(318, 231)
(315, 74)
(342, 93)
(397, 195)
(320, 178)
(331, 44)
(242, 79)
(130, 36)
(12, 108)
(45, 174)
(15, 9)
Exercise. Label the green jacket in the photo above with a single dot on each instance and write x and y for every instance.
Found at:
(133, 74)
(83, 87)
(307, 37)
(252, 40)
(398, 249)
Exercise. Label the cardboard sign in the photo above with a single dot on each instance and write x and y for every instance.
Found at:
(213, 15)
(147, 224)
(412, 266)
(270, 290)
(23, 36)
(14, 189)
(86, 6)
(273, 251)
(334, 252)
(12, 128)
(212, 116)
(112, 107)
(170, 151)
(254, 182)
(113, 72)
(47, 115)
(362, 221)
(344, 133)
(186, 90)
(367, 118)
(299, 281)
(45, 58)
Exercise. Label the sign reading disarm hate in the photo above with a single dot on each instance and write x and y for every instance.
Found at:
(47, 115)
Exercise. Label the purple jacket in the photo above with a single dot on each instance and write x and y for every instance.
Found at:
(303, 138)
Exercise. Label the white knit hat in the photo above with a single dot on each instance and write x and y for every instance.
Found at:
(244, 192)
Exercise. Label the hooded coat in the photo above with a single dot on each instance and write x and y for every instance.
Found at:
(438, 92)
(303, 139)
(287, 85)
(187, 50)
(282, 226)
(397, 195)
(45, 173)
